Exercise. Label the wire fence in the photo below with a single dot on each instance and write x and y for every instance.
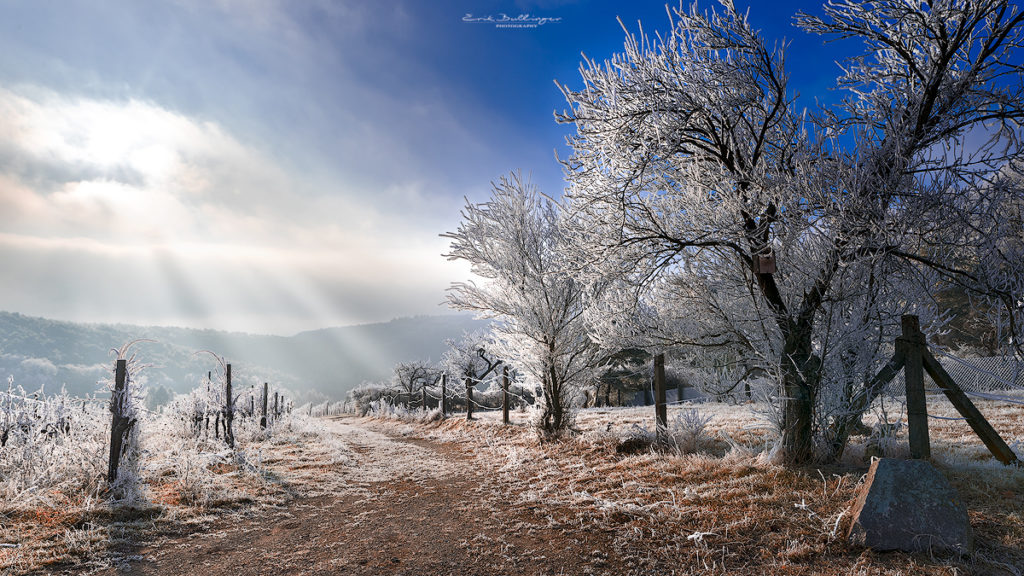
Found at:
(996, 378)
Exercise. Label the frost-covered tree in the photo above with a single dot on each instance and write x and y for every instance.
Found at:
(470, 360)
(513, 243)
(706, 210)
(410, 378)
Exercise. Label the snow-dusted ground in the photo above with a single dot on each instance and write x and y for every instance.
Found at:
(722, 497)
(367, 457)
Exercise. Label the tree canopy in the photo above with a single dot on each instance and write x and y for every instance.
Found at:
(706, 209)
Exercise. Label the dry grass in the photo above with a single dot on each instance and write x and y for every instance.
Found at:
(186, 484)
(727, 510)
(722, 510)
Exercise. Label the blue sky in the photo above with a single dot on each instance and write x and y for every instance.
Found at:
(278, 165)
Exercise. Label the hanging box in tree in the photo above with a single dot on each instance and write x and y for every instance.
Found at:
(765, 264)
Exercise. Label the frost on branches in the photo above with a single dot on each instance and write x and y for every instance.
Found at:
(412, 379)
(513, 243)
(470, 361)
(706, 210)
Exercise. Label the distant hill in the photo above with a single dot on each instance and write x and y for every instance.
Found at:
(328, 362)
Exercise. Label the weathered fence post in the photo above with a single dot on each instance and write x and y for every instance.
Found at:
(120, 424)
(913, 344)
(444, 395)
(276, 409)
(229, 410)
(469, 398)
(263, 418)
(504, 394)
(660, 410)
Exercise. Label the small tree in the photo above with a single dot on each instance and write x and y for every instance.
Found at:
(412, 377)
(470, 362)
(513, 243)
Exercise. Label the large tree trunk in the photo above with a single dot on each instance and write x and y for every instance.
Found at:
(553, 417)
(557, 410)
(801, 372)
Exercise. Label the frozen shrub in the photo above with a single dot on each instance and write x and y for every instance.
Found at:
(687, 432)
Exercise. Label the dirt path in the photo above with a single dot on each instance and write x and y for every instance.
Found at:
(396, 506)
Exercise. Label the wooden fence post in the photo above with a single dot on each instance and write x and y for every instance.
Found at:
(276, 409)
(229, 410)
(469, 398)
(504, 394)
(424, 391)
(444, 395)
(660, 410)
(120, 424)
(913, 344)
(263, 418)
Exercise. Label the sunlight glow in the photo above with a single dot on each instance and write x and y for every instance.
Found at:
(176, 221)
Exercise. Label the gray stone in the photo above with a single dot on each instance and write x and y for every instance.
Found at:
(909, 505)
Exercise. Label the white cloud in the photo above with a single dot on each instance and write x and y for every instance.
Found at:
(144, 210)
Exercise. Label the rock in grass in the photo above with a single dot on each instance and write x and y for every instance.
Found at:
(909, 505)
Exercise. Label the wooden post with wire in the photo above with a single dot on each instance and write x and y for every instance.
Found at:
(263, 418)
(913, 346)
(660, 408)
(504, 395)
(229, 409)
(913, 356)
(444, 395)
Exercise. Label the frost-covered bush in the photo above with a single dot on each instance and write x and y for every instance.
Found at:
(365, 395)
(383, 408)
(53, 447)
(687, 431)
